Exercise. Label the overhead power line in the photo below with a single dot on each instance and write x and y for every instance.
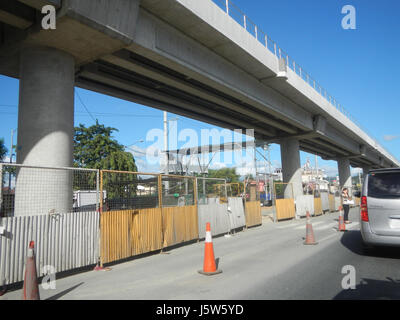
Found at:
(87, 110)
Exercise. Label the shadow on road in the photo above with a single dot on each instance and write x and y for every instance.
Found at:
(370, 289)
(352, 240)
(63, 293)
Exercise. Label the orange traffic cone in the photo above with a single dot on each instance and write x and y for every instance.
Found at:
(209, 267)
(342, 225)
(31, 288)
(310, 240)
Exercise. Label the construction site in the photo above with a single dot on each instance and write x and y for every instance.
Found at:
(103, 217)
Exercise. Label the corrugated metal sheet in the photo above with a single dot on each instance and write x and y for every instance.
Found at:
(237, 216)
(217, 214)
(338, 203)
(128, 233)
(325, 201)
(253, 213)
(180, 224)
(64, 241)
(304, 203)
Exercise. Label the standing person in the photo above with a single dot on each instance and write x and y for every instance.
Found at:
(346, 201)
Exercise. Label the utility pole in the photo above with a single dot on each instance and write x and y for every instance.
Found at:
(266, 184)
(271, 179)
(255, 161)
(11, 156)
(166, 169)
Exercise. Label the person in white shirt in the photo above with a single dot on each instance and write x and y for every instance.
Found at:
(346, 201)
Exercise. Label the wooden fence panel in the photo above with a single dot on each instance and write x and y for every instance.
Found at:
(285, 209)
(128, 233)
(180, 224)
(253, 213)
(332, 203)
(317, 206)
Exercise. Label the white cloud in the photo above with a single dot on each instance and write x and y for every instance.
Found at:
(145, 166)
(390, 137)
(330, 171)
(137, 151)
(218, 165)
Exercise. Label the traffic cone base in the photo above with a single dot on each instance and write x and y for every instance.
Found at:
(210, 273)
(99, 268)
(310, 243)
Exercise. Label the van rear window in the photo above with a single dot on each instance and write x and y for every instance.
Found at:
(384, 185)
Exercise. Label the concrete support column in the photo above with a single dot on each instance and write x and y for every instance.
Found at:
(344, 174)
(365, 172)
(291, 168)
(45, 131)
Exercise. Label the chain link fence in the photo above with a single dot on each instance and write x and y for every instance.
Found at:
(128, 190)
(31, 190)
(211, 190)
(235, 189)
(177, 191)
(252, 191)
(54, 207)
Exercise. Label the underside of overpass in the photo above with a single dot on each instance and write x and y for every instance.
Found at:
(166, 55)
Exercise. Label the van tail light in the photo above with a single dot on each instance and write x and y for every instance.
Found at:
(364, 209)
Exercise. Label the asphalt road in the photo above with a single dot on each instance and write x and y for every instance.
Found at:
(267, 262)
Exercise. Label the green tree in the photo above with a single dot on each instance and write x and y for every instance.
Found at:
(211, 186)
(3, 149)
(3, 152)
(95, 148)
(226, 173)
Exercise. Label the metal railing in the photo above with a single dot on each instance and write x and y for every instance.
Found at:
(242, 19)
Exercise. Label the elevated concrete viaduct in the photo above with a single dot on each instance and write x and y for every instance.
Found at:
(185, 56)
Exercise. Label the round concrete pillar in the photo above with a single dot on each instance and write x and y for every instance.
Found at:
(45, 131)
(345, 173)
(365, 171)
(291, 168)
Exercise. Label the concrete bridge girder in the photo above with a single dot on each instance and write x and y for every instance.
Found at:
(241, 72)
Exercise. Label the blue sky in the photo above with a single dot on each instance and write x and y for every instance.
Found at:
(358, 67)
